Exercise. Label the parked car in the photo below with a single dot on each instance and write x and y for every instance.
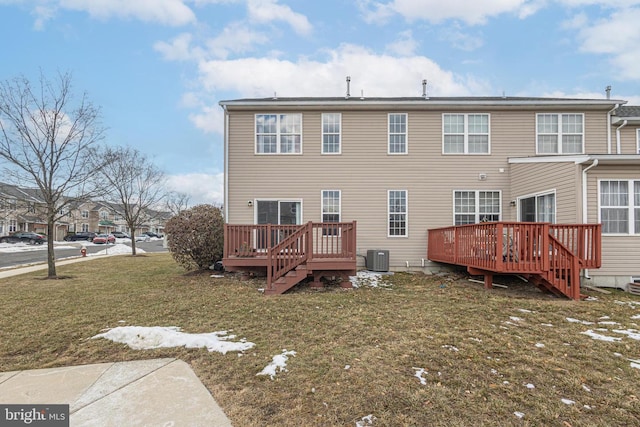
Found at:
(24, 237)
(120, 235)
(104, 238)
(152, 234)
(143, 238)
(80, 235)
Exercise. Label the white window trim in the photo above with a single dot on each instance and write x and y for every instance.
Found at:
(538, 194)
(638, 140)
(406, 216)
(466, 135)
(477, 195)
(322, 136)
(406, 135)
(277, 153)
(630, 207)
(584, 133)
(322, 205)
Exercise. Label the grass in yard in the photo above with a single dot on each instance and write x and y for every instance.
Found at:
(483, 356)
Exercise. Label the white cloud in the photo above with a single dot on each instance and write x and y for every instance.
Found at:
(179, 48)
(201, 187)
(235, 38)
(618, 36)
(406, 45)
(436, 11)
(460, 39)
(166, 12)
(269, 11)
(377, 75)
(210, 118)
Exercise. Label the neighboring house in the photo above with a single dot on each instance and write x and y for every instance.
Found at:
(402, 166)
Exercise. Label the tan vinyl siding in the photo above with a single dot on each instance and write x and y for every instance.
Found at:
(619, 253)
(534, 178)
(595, 132)
(628, 140)
(364, 172)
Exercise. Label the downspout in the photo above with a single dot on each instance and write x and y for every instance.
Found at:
(609, 128)
(226, 164)
(618, 150)
(584, 201)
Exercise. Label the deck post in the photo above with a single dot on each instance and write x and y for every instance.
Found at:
(499, 251)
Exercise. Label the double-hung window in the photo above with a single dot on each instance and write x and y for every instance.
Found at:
(330, 210)
(397, 133)
(13, 226)
(620, 206)
(560, 133)
(85, 214)
(465, 133)
(470, 206)
(331, 125)
(397, 213)
(278, 133)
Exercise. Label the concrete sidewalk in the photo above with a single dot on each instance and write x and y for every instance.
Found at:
(157, 392)
(43, 266)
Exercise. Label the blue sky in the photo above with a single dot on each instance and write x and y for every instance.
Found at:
(158, 68)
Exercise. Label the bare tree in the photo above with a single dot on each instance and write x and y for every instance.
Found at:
(136, 185)
(177, 202)
(47, 135)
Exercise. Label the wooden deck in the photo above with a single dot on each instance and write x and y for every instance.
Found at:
(549, 255)
(291, 253)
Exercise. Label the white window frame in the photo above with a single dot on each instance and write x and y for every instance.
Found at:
(13, 226)
(631, 207)
(84, 227)
(477, 214)
(536, 196)
(12, 204)
(559, 134)
(280, 201)
(638, 140)
(278, 134)
(338, 133)
(466, 134)
(104, 215)
(84, 214)
(1, 227)
(405, 213)
(329, 232)
(405, 134)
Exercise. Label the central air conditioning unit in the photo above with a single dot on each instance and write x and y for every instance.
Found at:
(377, 260)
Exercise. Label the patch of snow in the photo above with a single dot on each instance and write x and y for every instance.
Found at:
(549, 325)
(585, 388)
(539, 345)
(567, 401)
(591, 298)
(631, 304)
(419, 373)
(117, 249)
(519, 414)
(584, 322)
(515, 318)
(587, 407)
(631, 333)
(143, 338)
(450, 347)
(347, 367)
(279, 361)
(608, 322)
(604, 318)
(369, 279)
(524, 310)
(366, 421)
(637, 316)
(600, 337)
(475, 339)
(635, 365)
(530, 386)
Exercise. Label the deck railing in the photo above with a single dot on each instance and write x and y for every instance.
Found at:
(515, 247)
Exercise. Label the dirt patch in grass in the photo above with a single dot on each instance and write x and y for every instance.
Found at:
(425, 350)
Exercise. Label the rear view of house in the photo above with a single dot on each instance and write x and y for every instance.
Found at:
(399, 167)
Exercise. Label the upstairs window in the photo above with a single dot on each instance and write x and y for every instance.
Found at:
(12, 204)
(85, 214)
(104, 215)
(331, 125)
(397, 213)
(397, 133)
(620, 206)
(278, 133)
(560, 133)
(471, 207)
(465, 133)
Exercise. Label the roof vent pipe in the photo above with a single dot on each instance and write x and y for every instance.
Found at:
(424, 89)
(608, 90)
(348, 87)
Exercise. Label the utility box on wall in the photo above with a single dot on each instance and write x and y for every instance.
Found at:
(378, 260)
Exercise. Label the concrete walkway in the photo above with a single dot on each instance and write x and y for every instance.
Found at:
(157, 392)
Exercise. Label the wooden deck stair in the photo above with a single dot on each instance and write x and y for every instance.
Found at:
(290, 254)
(549, 255)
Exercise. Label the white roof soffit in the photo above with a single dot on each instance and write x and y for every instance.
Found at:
(357, 102)
(603, 159)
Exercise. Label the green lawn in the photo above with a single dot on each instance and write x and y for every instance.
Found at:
(485, 355)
